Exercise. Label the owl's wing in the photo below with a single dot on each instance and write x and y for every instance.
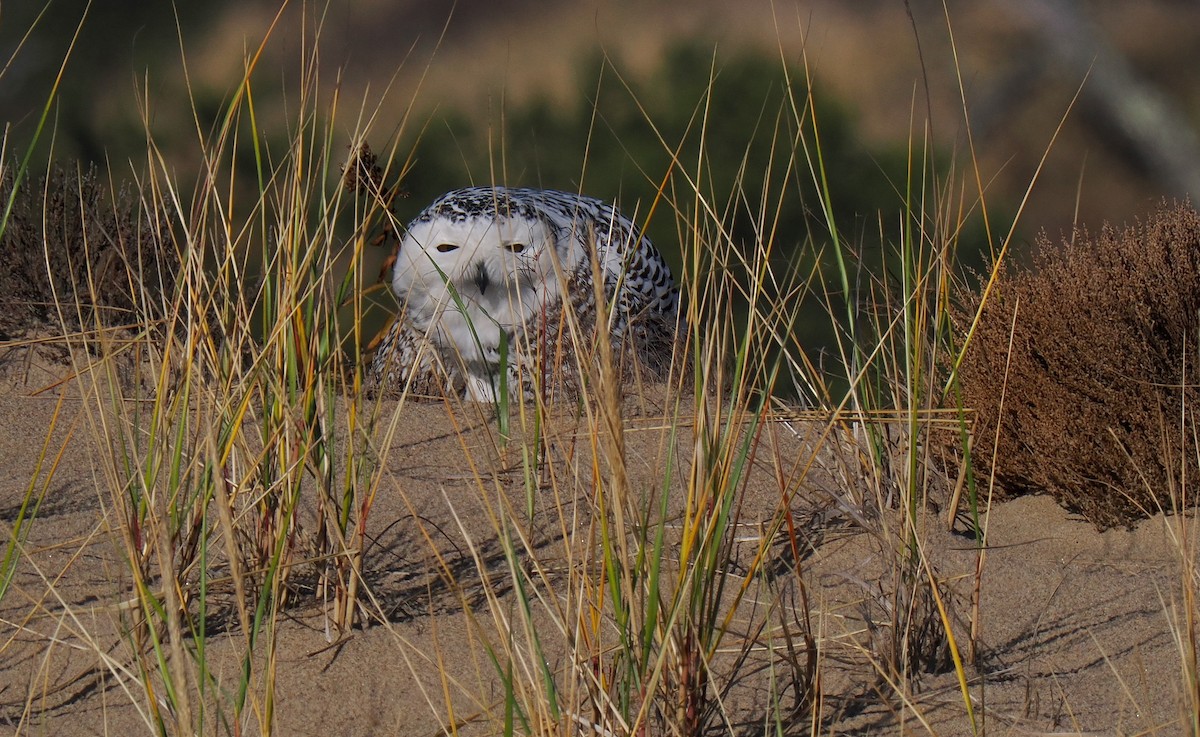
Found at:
(404, 360)
(633, 266)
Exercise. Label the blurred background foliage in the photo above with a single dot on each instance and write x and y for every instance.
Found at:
(730, 114)
(116, 52)
(1019, 64)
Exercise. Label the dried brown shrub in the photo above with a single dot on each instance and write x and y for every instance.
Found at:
(1104, 363)
(73, 248)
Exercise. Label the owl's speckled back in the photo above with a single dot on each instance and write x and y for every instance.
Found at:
(480, 275)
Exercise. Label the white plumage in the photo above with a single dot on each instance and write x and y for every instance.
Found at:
(480, 277)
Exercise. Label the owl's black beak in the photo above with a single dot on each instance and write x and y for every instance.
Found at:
(481, 278)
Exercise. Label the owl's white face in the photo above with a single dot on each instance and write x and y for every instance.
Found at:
(501, 270)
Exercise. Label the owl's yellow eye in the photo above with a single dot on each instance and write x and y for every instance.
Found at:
(446, 247)
(515, 247)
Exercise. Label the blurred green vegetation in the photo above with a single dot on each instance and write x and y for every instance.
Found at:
(615, 141)
(122, 46)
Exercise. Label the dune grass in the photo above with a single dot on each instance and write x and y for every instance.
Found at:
(633, 592)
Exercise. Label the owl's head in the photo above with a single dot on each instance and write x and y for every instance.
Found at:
(485, 259)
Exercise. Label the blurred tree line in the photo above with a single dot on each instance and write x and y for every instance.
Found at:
(735, 114)
(121, 45)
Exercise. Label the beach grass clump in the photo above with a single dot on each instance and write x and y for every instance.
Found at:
(212, 329)
(1079, 367)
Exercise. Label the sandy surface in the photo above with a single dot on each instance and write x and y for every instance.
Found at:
(1076, 628)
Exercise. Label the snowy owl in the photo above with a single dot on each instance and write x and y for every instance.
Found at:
(483, 275)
